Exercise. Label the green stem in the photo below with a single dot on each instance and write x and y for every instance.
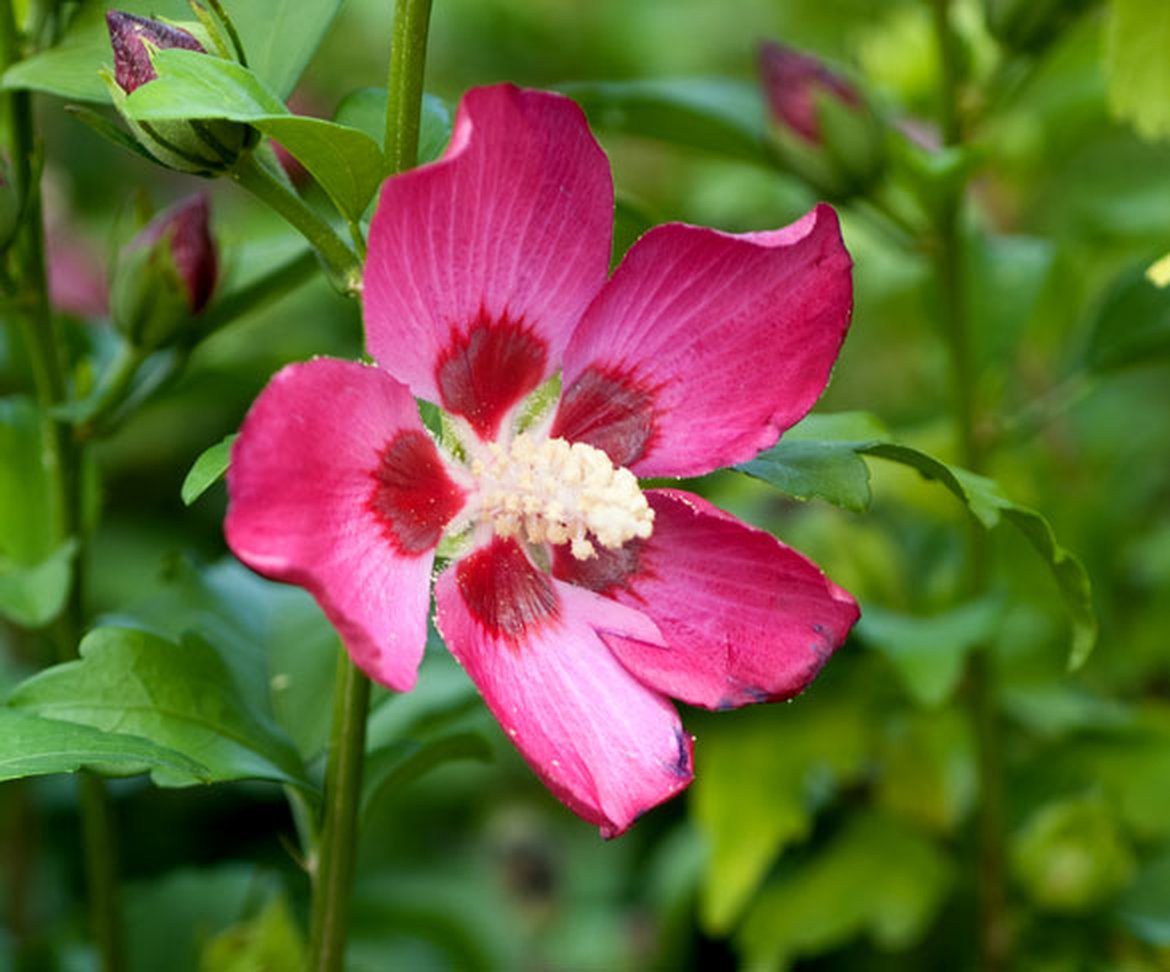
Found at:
(270, 286)
(333, 864)
(101, 870)
(333, 867)
(405, 85)
(117, 383)
(949, 60)
(343, 263)
(63, 461)
(982, 682)
(1054, 403)
(112, 391)
(19, 852)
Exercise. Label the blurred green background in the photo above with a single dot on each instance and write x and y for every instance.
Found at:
(833, 832)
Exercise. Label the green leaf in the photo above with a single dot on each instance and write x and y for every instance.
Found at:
(26, 515)
(1144, 907)
(345, 161)
(1131, 325)
(108, 130)
(33, 746)
(172, 918)
(1055, 709)
(764, 774)
(193, 85)
(180, 696)
(818, 459)
(718, 115)
(878, 877)
(279, 36)
(365, 109)
(928, 652)
(1137, 38)
(33, 596)
(828, 473)
(271, 940)
(443, 697)
(280, 648)
(35, 574)
(208, 469)
(391, 767)
(434, 128)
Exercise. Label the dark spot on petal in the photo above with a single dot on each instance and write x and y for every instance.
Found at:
(682, 763)
(605, 573)
(819, 629)
(413, 497)
(610, 410)
(504, 592)
(487, 369)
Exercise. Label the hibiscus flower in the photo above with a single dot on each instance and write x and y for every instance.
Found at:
(578, 603)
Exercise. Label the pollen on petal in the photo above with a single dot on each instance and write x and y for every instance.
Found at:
(487, 369)
(605, 573)
(610, 410)
(413, 497)
(504, 592)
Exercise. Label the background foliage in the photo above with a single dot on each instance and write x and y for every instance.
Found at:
(838, 831)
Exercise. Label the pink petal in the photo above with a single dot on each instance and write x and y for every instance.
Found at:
(746, 618)
(481, 264)
(335, 485)
(607, 747)
(705, 346)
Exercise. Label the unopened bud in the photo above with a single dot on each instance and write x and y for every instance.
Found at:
(165, 275)
(824, 129)
(194, 145)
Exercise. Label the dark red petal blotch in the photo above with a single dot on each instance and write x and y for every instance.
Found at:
(607, 572)
(413, 497)
(609, 410)
(504, 592)
(486, 370)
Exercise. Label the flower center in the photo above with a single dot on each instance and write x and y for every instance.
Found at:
(551, 491)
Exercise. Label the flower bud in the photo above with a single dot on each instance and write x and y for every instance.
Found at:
(194, 145)
(165, 275)
(824, 129)
(9, 207)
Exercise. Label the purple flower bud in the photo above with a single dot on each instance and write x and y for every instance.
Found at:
(186, 226)
(792, 80)
(165, 275)
(824, 129)
(202, 146)
(129, 36)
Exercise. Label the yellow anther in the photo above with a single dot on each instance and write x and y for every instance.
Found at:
(551, 491)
